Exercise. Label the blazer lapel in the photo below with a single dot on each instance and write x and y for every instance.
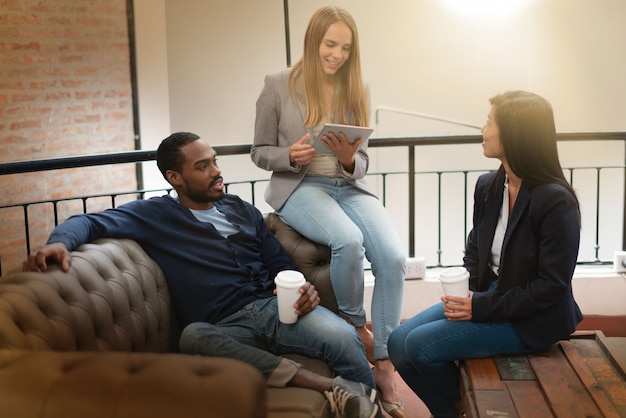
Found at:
(521, 202)
(302, 108)
(488, 227)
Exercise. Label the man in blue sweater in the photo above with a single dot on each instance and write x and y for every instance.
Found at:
(219, 259)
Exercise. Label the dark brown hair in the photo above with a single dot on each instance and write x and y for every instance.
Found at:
(528, 137)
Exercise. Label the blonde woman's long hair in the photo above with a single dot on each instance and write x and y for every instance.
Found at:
(351, 106)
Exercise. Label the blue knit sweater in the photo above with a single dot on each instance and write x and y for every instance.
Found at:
(209, 276)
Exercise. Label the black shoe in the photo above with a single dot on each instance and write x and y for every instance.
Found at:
(350, 399)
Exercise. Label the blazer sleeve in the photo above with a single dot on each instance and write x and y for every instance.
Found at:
(470, 259)
(479, 240)
(270, 151)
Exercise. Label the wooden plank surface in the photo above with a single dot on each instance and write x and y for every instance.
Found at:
(484, 373)
(491, 398)
(616, 349)
(514, 367)
(608, 379)
(494, 403)
(581, 366)
(565, 394)
(467, 395)
(581, 377)
(528, 399)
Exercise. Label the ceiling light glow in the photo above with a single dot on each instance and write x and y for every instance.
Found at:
(486, 9)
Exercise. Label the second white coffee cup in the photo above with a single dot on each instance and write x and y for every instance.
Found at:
(455, 281)
(288, 282)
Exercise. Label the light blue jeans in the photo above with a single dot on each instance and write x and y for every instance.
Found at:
(424, 349)
(255, 336)
(354, 225)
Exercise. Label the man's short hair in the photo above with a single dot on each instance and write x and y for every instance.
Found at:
(169, 156)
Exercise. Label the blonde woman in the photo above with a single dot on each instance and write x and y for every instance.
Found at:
(319, 187)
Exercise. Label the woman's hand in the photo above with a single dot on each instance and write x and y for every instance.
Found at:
(342, 148)
(301, 152)
(457, 308)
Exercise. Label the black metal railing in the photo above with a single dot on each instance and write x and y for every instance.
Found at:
(411, 174)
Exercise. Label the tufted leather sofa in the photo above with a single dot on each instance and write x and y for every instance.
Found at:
(101, 341)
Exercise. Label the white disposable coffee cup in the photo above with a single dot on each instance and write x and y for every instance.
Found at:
(288, 282)
(455, 281)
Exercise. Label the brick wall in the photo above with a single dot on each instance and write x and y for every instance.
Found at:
(65, 89)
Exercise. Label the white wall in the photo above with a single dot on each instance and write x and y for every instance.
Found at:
(201, 65)
(417, 55)
(153, 81)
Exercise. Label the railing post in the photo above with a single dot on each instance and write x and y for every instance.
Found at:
(252, 192)
(439, 250)
(597, 244)
(384, 180)
(26, 228)
(55, 211)
(465, 196)
(411, 200)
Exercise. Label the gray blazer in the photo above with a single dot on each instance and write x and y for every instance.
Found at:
(280, 123)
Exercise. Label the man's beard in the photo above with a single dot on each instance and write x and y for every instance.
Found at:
(201, 196)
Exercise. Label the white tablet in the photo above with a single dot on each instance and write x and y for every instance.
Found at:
(350, 131)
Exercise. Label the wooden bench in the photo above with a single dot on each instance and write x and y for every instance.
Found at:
(583, 376)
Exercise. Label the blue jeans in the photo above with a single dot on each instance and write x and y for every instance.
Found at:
(256, 336)
(354, 225)
(424, 349)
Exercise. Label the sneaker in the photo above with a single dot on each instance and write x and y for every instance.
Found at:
(350, 399)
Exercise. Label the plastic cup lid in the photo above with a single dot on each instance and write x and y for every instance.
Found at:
(454, 274)
(289, 278)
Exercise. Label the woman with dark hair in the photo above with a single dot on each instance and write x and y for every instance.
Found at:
(319, 187)
(521, 254)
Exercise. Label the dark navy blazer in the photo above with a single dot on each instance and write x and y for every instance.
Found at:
(537, 261)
